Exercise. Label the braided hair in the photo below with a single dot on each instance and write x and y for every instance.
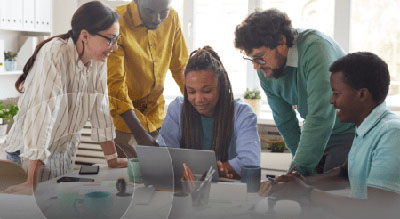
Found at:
(207, 59)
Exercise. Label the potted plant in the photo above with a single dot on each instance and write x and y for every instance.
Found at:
(276, 145)
(6, 117)
(252, 97)
(10, 63)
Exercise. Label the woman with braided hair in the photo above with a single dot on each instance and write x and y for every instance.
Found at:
(63, 85)
(208, 118)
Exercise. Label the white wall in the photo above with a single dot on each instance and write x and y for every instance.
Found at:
(62, 15)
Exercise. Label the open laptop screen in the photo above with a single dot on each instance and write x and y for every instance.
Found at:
(163, 166)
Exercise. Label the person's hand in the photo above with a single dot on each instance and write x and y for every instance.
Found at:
(223, 170)
(188, 178)
(265, 188)
(187, 173)
(226, 170)
(117, 163)
(291, 172)
(20, 189)
(290, 187)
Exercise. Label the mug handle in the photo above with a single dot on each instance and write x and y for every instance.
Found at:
(78, 203)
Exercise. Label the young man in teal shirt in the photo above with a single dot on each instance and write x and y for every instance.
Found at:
(293, 67)
(360, 83)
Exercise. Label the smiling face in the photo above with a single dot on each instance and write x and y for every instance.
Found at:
(346, 100)
(153, 12)
(97, 47)
(203, 91)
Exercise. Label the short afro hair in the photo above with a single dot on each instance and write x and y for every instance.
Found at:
(264, 28)
(365, 70)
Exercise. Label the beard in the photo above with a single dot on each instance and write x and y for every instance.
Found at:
(277, 72)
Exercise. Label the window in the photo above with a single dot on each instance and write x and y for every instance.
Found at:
(378, 31)
(315, 14)
(214, 24)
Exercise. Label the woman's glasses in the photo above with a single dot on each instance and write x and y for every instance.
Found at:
(111, 40)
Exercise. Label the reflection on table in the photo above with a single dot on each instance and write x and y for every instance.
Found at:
(226, 200)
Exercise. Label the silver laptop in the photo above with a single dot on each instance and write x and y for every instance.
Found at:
(162, 167)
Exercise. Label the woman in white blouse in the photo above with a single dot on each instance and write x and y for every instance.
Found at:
(63, 85)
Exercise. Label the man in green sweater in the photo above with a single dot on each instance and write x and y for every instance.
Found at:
(293, 67)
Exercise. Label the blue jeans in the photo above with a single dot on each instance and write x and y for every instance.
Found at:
(14, 157)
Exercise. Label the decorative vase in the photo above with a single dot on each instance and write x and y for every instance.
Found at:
(10, 65)
(255, 105)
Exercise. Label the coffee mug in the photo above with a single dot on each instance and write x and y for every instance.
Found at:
(94, 204)
(251, 175)
(134, 170)
(67, 194)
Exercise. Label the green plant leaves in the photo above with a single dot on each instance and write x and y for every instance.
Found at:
(8, 112)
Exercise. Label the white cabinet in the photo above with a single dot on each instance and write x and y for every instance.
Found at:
(29, 14)
(43, 15)
(26, 15)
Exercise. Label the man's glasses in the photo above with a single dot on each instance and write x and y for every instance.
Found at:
(111, 40)
(258, 60)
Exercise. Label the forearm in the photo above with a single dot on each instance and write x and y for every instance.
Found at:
(349, 207)
(328, 181)
(140, 134)
(108, 148)
(33, 172)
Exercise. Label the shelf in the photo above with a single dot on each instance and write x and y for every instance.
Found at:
(10, 73)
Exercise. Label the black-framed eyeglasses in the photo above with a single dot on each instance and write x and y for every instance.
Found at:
(258, 60)
(111, 40)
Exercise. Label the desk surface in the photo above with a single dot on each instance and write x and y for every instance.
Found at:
(227, 200)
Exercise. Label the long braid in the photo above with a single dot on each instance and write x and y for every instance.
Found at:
(29, 64)
(207, 59)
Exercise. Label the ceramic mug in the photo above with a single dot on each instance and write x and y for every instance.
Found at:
(251, 175)
(134, 170)
(97, 204)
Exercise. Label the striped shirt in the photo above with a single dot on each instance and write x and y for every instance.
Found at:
(60, 95)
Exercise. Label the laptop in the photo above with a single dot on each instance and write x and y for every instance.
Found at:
(162, 167)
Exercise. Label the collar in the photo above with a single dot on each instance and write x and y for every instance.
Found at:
(293, 54)
(371, 120)
(75, 55)
(137, 22)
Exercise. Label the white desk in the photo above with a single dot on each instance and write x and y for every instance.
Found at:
(226, 201)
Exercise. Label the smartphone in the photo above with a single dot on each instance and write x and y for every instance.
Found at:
(271, 177)
(85, 170)
(74, 179)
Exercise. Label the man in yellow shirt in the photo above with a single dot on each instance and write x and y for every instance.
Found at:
(151, 43)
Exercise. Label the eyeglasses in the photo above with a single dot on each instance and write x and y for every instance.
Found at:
(111, 40)
(259, 60)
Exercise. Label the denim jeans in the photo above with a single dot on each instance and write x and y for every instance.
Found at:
(14, 157)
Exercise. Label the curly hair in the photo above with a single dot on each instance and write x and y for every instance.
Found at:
(264, 28)
(365, 70)
(207, 59)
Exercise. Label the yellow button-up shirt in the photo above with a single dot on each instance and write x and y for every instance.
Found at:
(136, 71)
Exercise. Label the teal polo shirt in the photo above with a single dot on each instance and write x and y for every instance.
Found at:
(374, 158)
(306, 83)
